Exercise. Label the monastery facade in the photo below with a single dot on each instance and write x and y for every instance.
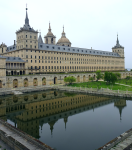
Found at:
(52, 56)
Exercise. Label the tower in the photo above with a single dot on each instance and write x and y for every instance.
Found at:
(63, 41)
(120, 105)
(118, 48)
(50, 38)
(3, 48)
(26, 36)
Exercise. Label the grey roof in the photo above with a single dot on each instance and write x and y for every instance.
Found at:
(58, 48)
(13, 59)
(26, 26)
(40, 39)
(11, 48)
(117, 44)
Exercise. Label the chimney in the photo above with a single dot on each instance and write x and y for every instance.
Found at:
(14, 42)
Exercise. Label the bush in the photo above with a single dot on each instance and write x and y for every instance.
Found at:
(110, 77)
(70, 79)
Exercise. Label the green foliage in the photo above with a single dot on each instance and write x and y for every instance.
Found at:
(110, 77)
(128, 77)
(70, 79)
(70, 94)
(131, 70)
(118, 75)
(99, 75)
(102, 84)
(91, 78)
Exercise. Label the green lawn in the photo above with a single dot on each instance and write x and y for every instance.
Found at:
(125, 81)
(102, 84)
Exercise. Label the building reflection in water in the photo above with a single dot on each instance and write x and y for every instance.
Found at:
(29, 111)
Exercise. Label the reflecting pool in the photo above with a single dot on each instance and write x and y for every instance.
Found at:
(68, 121)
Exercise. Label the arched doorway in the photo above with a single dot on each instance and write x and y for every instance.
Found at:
(15, 83)
(84, 78)
(43, 81)
(35, 82)
(88, 77)
(25, 82)
(78, 78)
(15, 99)
(94, 77)
(55, 80)
(0, 84)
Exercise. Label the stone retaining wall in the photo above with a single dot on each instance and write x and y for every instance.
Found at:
(25, 136)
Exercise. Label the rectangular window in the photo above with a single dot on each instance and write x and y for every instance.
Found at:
(26, 56)
(39, 57)
(31, 61)
(30, 46)
(35, 57)
(42, 67)
(31, 56)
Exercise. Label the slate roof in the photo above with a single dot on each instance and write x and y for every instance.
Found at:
(117, 44)
(26, 26)
(57, 48)
(40, 39)
(13, 59)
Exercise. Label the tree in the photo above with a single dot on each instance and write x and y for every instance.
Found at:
(131, 70)
(118, 75)
(98, 74)
(91, 78)
(110, 77)
(70, 79)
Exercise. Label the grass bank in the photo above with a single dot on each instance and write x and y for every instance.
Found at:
(101, 84)
(125, 81)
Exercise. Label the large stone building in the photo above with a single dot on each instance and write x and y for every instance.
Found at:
(55, 57)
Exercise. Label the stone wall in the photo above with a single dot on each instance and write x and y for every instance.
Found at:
(49, 79)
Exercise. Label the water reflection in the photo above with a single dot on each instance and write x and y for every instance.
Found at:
(30, 111)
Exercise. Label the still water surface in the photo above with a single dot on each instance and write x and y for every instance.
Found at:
(67, 121)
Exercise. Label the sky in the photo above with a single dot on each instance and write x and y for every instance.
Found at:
(87, 23)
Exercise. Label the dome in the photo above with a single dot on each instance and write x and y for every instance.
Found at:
(63, 40)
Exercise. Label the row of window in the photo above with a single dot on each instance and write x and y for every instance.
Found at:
(62, 58)
(72, 67)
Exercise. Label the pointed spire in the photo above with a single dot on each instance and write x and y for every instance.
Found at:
(117, 42)
(26, 19)
(40, 38)
(49, 27)
(63, 33)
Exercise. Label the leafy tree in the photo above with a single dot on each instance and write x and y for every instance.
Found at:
(128, 77)
(118, 75)
(131, 70)
(98, 75)
(110, 77)
(70, 79)
(91, 78)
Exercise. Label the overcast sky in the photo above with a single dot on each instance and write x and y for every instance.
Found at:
(88, 23)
